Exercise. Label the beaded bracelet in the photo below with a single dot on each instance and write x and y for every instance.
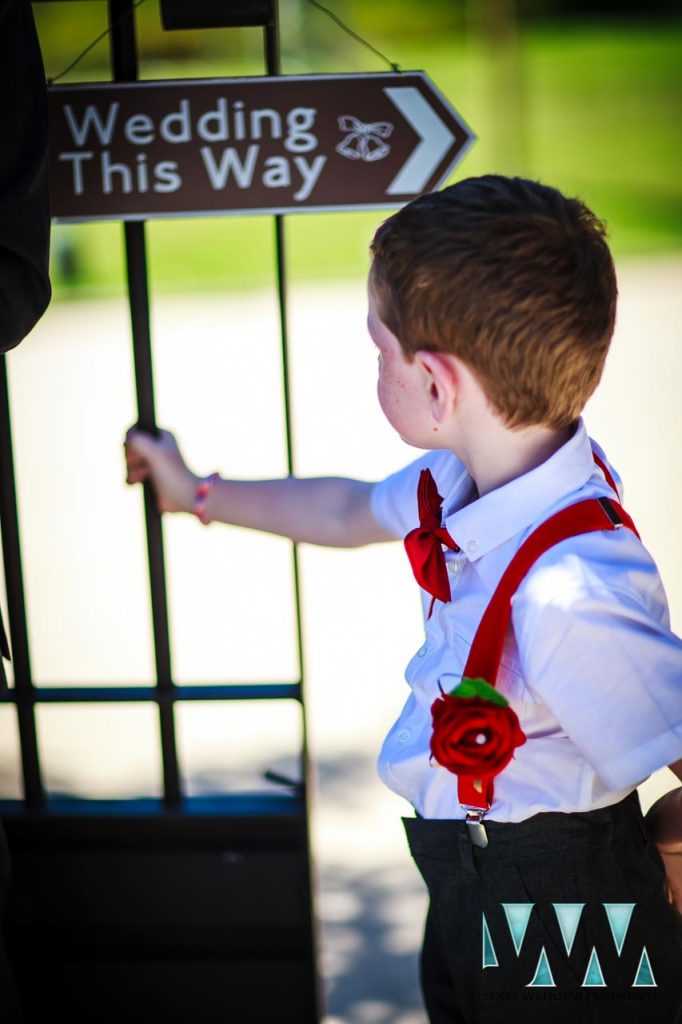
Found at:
(201, 497)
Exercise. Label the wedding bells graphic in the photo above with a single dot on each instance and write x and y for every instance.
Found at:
(364, 141)
(568, 917)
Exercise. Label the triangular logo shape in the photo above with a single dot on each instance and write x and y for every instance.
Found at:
(568, 916)
(489, 956)
(619, 915)
(593, 975)
(645, 976)
(543, 975)
(518, 915)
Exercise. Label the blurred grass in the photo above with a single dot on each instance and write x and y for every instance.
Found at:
(597, 114)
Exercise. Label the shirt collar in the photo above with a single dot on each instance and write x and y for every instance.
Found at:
(488, 522)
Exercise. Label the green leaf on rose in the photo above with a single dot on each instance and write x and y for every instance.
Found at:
(479, 688)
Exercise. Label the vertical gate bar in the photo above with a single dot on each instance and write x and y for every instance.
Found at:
(271, 32)
(272, 57)
(34, 794)
(124, 63)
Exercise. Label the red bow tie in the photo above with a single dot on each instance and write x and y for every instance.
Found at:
(424, 543)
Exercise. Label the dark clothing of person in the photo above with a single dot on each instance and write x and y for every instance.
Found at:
(24, 212)
(471, 971)
(9, 998)
(24, 258)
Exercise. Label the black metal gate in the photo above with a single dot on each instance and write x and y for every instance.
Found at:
(195, 910)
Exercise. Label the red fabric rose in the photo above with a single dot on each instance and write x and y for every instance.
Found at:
(475, 732)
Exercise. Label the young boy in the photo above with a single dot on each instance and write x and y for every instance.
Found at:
(492, 305)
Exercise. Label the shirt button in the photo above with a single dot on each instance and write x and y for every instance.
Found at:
(472, 547)
(404, 735)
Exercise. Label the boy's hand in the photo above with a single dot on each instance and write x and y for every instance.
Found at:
(672, 861)
(158, 459)
(664, 822)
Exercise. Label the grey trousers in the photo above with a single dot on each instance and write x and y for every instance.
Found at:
(561, 918)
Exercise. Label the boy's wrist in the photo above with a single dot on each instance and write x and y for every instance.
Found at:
(189, 491)
(201, 497)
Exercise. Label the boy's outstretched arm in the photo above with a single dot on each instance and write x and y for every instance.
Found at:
(664, 821)
(332, 511)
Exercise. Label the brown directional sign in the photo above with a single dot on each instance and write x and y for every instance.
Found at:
(249, 145)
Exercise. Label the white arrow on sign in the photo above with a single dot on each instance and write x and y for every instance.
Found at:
(436, 138)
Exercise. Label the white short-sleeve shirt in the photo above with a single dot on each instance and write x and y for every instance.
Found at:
(589, 663)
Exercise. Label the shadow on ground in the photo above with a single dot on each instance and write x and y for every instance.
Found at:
(368, 958)
(370, 917)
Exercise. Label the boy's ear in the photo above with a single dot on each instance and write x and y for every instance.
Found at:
(441, 380)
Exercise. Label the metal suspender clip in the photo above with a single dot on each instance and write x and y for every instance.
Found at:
(611, 512)
(474, 822)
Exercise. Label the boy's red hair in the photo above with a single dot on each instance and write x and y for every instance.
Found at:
(511, 276)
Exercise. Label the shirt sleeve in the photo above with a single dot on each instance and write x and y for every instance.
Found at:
(24, 215)
(393, 501)
(591, 626)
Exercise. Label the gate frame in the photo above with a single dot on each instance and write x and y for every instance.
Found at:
(38, 825)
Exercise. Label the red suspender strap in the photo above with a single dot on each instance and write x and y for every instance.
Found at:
(486, 649)
(607, 474)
